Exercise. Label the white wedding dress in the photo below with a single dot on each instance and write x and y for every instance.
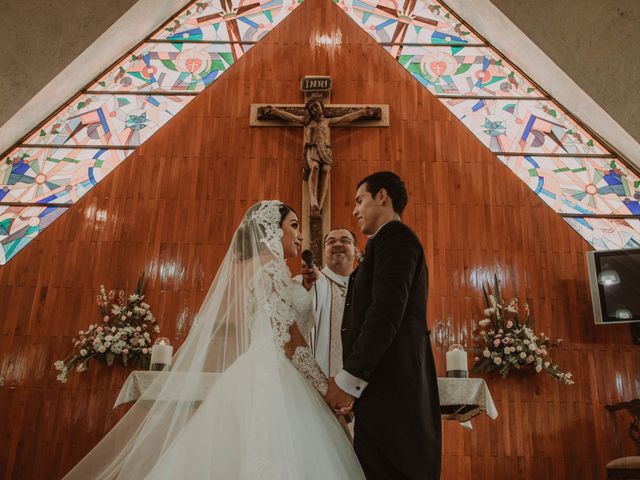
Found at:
(264, 417)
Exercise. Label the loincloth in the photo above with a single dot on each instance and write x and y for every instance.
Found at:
(315, 152)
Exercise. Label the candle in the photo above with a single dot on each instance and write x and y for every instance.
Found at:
(161, 354)
(456, 361)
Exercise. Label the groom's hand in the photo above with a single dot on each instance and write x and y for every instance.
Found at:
(339, 400)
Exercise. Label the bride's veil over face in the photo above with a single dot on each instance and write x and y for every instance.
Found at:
(220, 333)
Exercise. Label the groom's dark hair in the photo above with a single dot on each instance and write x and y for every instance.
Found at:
(393, 185)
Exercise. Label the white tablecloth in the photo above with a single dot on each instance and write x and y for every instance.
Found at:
(460, 398)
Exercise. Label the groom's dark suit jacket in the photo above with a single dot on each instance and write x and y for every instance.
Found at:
(386, 342)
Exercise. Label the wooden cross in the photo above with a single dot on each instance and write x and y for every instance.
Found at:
(317, 116)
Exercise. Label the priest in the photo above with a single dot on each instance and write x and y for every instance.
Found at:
(328, 288)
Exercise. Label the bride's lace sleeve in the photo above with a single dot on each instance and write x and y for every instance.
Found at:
(302, 357)
(287, 335)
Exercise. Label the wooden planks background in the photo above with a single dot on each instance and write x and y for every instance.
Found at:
(170, 211)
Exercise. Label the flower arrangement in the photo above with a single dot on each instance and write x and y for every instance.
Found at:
(126, 330)
(510, 342)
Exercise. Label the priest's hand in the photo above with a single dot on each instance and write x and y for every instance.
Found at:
(309, 276)
(339, 400)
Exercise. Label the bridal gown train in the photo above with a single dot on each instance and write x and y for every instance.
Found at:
(262, 419)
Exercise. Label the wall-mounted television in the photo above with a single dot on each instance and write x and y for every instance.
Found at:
(614, 278)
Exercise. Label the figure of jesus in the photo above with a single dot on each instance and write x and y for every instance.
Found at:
(318, 158)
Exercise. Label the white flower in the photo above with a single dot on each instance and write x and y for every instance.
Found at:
(156, 329)
(546, 364)
(497, 360)
(58, 365)
(486, 353)
(532, 346)
(526, 341)
(102, 349)
(484, 322)
(145, 351)
(519, 348)
(523, 355)
(509, 324)
(83, 352)
(81, 368)
(496, 342)
(124, 317)
(489, 311)
(529, 359)
(62, 378)
(538, 368)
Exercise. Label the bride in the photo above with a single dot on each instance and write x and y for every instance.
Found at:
(264, 416)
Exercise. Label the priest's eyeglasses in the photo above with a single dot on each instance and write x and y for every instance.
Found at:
(343, 240)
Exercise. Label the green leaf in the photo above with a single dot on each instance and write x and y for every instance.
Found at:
(463, 68)
(102, 84)
(553, 113)
(612, 164)
(81, 105)
(590, 143)
(42, 133)
(636, 184)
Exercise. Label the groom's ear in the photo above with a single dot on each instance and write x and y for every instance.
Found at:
(382, 197)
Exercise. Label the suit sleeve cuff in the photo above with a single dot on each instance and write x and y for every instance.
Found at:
(354, 386)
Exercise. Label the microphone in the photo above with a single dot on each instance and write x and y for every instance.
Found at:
(307, 258)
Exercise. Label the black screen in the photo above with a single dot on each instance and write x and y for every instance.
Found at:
(619, 285)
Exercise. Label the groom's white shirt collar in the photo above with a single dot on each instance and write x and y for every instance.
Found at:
(396, 219)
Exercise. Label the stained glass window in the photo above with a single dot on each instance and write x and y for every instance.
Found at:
(55, 175)
(91, 135)
(541, 143)
(175, 67)
(19, 225)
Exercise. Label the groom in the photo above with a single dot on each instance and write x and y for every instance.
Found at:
(388, 363)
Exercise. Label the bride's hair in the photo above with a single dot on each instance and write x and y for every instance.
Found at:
(243, 248)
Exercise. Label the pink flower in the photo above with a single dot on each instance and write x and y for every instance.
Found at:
(496, 342)
(509, 324)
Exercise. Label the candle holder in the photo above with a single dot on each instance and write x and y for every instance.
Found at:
(457, 362)
(161, 354)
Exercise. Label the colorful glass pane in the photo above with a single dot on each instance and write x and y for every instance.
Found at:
(109, 120)
(608, 233)
(54, 175)
(20, 225)
(413, 22)
(600, 186)
(531, 126)
(179, 67)
(236, 20)
(464, 71)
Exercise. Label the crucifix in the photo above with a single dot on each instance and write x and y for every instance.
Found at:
(317, 116)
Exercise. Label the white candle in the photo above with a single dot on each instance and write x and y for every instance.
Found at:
(457, 360)
(161, 354)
